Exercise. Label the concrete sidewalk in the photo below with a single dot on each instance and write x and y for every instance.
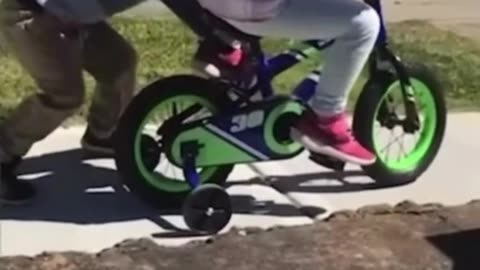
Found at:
(452, 179)
(78, 208)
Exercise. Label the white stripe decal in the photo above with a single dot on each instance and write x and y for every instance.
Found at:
(298, 55)
(295, 54)
(314, 77)
(237, 142)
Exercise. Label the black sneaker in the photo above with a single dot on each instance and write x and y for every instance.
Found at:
(95, 146)
(12, 190)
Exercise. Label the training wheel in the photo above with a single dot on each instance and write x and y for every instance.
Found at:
(207, 209)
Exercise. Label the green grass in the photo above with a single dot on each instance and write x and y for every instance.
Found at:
(456, 59)
(165, 47)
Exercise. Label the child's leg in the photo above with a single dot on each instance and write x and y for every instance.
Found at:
(355, 27)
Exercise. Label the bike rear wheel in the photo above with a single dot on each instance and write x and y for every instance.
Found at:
(140, 158)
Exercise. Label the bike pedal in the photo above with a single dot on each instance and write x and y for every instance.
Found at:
(328, 162)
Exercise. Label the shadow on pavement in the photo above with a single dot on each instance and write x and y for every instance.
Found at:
(71, 190)
(327, 182)
(462, 248)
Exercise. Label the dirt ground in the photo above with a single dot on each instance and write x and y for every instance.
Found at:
(404, 237)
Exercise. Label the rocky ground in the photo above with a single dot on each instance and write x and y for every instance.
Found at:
(406, 236)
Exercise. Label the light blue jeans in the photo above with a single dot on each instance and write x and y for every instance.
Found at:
(354, 25)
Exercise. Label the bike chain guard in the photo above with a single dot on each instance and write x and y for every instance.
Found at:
(254, 133)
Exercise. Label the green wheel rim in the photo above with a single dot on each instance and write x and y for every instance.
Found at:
(427, 130)
(272, 143)
(157, 180)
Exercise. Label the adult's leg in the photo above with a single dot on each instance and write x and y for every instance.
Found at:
(198, 20)
(190, 12)
(217, 54)
(112, 61)
(354, 25)
(53, 60)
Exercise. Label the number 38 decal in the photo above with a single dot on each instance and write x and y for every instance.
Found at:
(246, 121)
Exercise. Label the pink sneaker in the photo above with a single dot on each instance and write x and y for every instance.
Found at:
(332, 137)
(209, 59)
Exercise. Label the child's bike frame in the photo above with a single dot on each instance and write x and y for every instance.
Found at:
(268, 68)
(183, 150)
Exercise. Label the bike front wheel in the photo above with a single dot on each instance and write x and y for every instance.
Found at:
(381, 105)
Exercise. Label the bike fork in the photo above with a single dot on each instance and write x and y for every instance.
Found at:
(411, 110)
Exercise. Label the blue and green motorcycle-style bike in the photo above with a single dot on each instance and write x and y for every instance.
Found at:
(202, 127)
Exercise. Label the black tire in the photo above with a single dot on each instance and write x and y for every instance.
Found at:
(365, 117)
(196, 208)
(131, 121)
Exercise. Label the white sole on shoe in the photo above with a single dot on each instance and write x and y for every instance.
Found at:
(327, 150)
(206, 69)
